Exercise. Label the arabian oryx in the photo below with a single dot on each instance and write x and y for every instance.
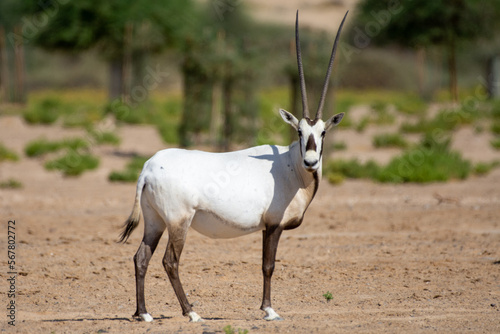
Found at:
(225, 195)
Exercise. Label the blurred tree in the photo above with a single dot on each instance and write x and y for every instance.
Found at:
(421, 24)
(13, 15)
(220, 79)
(124, 32)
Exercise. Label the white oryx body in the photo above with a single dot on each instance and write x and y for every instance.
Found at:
(231, 194)
(226, 195)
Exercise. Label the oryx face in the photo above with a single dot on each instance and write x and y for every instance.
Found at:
(312, 131)
(311, 136)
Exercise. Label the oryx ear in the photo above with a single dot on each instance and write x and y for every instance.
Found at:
(289, 118)
(333, 121)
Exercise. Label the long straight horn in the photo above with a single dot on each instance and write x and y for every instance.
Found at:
(319, 113)
(303, 93)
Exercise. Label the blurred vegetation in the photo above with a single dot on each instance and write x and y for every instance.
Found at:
(131, 171)
(425, 24)
(11, 184)
(73, 163)
(7, 154)
(389, 140)
(431, 160)
(207, 74)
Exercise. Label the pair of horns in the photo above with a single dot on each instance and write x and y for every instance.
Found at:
(305, 108)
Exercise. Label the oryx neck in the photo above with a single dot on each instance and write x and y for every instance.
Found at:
(306, 179)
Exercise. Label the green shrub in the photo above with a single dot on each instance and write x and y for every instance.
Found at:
(445, 120)
(495, 128)
(73, 163)
(11, 184)
(104, 137)
(339, 145)
(483, 168)
(351, 169)
(389, 140)
(131, 171)
(495, 143)
(430, 161)
(6, 154)
(363, 123)
(42, 146)
(46, 111)
(230, 330)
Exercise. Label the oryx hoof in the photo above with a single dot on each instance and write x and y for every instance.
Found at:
(271, 315)
(194, 317)
(146, 317)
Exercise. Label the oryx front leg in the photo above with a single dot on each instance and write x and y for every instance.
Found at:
(271, 237)
(176, 239)
(141, 260)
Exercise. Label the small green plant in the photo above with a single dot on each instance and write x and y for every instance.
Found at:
(230, 330)
(104, 137)
(363, 123)
(73, 163)
(131, 171)
(495, 128)
(390, 140)
(495, 143)
(339, 145)
(328, 296)
(11, 184)
(7, 155)
(483, 168)
(337, 169)
(43, 146)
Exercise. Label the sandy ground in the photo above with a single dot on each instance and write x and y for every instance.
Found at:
(396, 258)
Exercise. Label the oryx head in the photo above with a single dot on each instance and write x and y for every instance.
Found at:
(312, 131)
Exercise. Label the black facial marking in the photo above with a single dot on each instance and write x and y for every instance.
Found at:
(311, 144)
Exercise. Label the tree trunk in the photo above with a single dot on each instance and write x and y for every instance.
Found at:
(4, 69)
(19, 94)
(115, 79)
(452, 68)
(227, 101)
(421, 71)
(215, 114)
(127, 63)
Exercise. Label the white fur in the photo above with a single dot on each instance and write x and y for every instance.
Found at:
(146, 317)
(271, 314)
(225, 195)
(194, 317)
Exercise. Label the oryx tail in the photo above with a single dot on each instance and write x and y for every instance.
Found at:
(134, 218)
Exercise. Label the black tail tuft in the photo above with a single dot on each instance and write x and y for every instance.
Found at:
(128, 228)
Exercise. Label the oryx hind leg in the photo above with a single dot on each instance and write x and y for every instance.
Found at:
(153, 230)
(176, 239)
(271, 236)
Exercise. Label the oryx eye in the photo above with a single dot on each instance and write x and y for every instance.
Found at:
(323, 133)
(300, 133)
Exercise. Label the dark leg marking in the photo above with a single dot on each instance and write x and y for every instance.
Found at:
(171, 265)
(271, 237)
(141, 260)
